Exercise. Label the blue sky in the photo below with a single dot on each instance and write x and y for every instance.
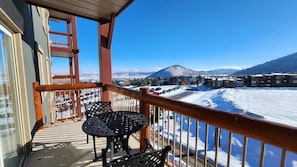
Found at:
(197, 34)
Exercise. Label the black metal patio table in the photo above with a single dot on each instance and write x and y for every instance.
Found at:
(114, 124)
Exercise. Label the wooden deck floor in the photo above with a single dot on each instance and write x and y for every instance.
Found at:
(65, 145)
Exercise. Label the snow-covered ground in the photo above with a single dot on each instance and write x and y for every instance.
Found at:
(273, 104)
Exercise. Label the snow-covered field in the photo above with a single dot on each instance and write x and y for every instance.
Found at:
(273, 104)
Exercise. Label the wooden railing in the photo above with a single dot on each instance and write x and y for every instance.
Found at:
(60, 39)
(267, 133)
(64, 99)
(264, 132)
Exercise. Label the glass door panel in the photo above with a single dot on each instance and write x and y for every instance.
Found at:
(11, 149)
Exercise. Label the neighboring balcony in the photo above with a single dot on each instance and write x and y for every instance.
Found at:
(61, 44)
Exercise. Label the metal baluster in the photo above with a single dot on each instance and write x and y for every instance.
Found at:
(262, 154)
(217, 145)
(174, 127)
(158, 127)
(245, 140)
(168, 129)
(283, 158)
(180, 139)
(205, 145)
(188, 141)
(196, 143)
(229, 148)
(163, 128)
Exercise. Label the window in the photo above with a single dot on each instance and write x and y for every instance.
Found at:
(9, 128)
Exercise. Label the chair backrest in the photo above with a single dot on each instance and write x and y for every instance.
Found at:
(98, 107)
(147, 159)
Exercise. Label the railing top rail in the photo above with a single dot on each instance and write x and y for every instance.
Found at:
(128, 92)
(60, 33)
(68, 86)
(280, 135)
(63, 76)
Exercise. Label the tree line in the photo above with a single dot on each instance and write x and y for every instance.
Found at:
(159, 81)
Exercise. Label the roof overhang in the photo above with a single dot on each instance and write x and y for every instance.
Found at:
(99, 10)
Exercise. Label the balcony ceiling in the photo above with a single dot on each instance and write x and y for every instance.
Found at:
(99, 10)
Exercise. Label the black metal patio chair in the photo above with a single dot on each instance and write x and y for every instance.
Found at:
(155, 158)
(119, 143)
(95, 108)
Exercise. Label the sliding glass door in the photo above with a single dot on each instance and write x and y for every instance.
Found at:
(11, 149)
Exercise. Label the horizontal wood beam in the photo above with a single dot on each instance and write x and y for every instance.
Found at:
(60, 33)
(61, 49)
(68, 86)
(62, 76)
(123, 91)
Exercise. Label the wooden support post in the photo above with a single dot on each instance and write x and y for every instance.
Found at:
(144, 109)
(37, 104)
(105, 38)
(76, 69)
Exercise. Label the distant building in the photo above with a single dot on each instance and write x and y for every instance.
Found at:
(257, 80)
(274, 80)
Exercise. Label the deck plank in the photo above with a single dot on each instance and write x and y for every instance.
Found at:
(65, 145)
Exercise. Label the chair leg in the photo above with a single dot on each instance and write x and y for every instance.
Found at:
(94, 145)
(148, 145)
(104, 161)
(87, 139)
(126, 145)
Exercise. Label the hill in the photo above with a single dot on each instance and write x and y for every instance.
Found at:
(173, 71)
(123, 75)
(178, 70)
(286, 64)
(219, 72)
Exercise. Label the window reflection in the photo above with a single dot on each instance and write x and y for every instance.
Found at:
(8, 133)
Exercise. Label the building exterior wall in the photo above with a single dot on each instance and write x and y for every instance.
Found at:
(259, 80)
(42, 52)
(22, 69)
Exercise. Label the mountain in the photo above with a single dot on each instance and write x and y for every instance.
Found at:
(94, 76)
(172, 71)
(178, 70)
(122, 75)
(89, 77)
(219, 72)
(175, 70)
(286, 64)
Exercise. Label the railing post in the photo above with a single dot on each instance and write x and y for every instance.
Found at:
(37, 104)
(144, 109)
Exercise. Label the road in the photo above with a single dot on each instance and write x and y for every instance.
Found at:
(181, 95)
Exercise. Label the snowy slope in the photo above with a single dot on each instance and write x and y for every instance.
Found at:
(175, 70)
(284, 64)
(273, 104)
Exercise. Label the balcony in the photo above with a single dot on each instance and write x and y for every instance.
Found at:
(65, 144)
(61, 44)
(194, 132)
(203, 128)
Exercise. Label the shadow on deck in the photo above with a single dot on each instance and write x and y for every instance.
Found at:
(65, 145)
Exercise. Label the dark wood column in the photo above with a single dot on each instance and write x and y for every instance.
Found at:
(105, 37)
(76, 68)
